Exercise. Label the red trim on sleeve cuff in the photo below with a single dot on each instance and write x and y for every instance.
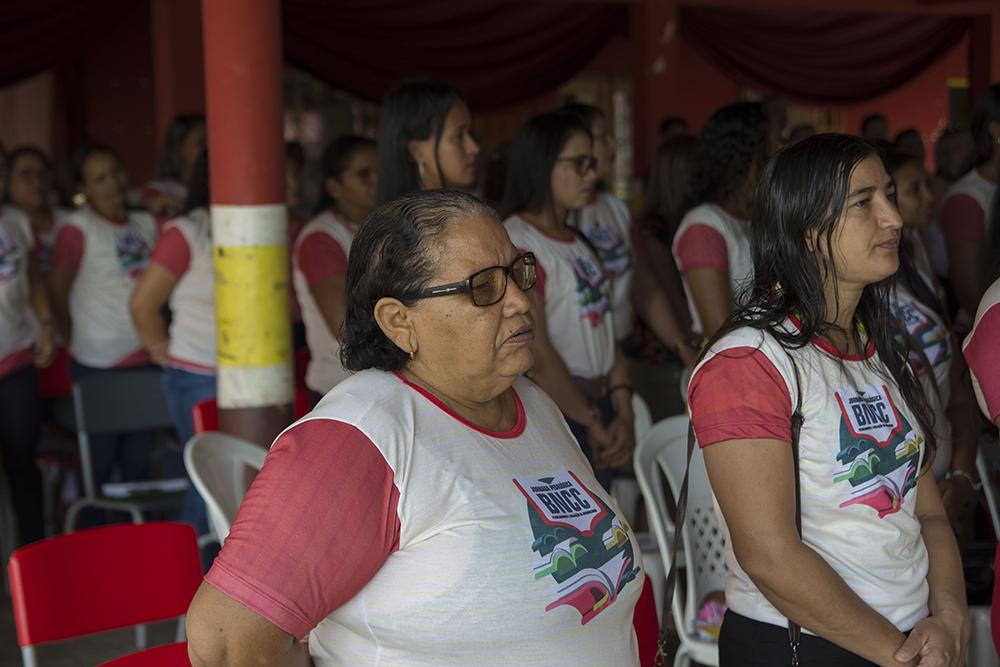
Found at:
(702, 247)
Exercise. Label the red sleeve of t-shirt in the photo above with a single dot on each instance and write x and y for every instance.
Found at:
(172, 252)
(739, 395)
(701, 247)
(962, 219)
(984, 362)
(316, 525)
(68, 249)
(320, 257)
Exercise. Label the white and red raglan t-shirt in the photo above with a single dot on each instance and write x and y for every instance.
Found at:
(18, 326)
(860, 452)
(185, 250)
(981, 353)
(710, 237)
(966, 208)
(576, 294)
(108, 257)
(393, 532)
(930, 334)
(321, 253)
(607, 224)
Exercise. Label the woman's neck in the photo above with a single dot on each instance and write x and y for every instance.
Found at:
(736, 205)
(552, 221)
(42, 218)
(841, 308)
(483, 407)
(119, 214)
(354, 215)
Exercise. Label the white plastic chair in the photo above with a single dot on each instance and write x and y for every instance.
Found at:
(664, 450)
(221, 467)
(625, 490)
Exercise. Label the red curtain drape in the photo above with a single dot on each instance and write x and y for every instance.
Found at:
(499, 52)
(820, 57)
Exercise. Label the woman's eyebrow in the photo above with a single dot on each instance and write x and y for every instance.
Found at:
(863, 191)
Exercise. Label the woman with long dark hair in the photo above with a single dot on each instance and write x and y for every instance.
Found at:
(319, 257)
(818, 438)
(424, 140)
(918, 303)
(577, 360)
(183, 141)
(965, 213)
(712, 246)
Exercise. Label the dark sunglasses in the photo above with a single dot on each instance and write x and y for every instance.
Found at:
(488, 286)
(583, 163)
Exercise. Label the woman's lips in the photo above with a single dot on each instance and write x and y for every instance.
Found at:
(523, 335)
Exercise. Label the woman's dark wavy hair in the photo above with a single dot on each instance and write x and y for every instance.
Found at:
(733, 140)
(336, 158)
(393, 255)
(667, 191)
(533, 157)
(985, 111)
(802, 192)
(412, 111)
(199, 190)
(168, 161)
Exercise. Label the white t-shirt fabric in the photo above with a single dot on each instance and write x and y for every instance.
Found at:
(860, 452)
(482, 533)
(114, 256)
(734, 233)
(192, 330)
(577, 298)
(18, 326)
(607, 223)
(930, 334)
(324, 370)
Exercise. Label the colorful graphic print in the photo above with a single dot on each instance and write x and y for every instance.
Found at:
(879, 450)
(926, 332)
(581, 543)
(11, 258)
(593, 289)
(132, 252)
(612, 251)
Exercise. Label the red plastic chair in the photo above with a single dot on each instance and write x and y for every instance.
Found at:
(102, 579)
(169, 655)
(205, 415)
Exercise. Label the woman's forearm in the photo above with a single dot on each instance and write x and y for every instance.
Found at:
(944, 574)
(803, 587)
(150, 326)
(653, 306)
(550, 373)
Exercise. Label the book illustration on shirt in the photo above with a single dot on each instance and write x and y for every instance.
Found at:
(925, 332)
(132, 253)
(580, 541)
(10, 257)
(879, 450)
(593, 289)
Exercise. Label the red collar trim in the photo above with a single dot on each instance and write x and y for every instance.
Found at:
(515, 432)
(828, 347)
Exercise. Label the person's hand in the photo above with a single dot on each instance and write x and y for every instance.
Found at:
(599, 441)
(158, 352)
(622, 442)
(937, 641)
(957, 495)
(687, 354)
(45, 347)
(163, 205)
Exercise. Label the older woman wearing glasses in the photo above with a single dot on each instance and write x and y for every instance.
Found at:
(433, 509)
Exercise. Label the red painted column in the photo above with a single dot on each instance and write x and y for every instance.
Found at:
(243, 65)
(654, 26)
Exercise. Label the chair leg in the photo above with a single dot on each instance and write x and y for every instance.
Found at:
(682, 659)
(28, 656)
(181, 630)
(140, 637)
(70, 523)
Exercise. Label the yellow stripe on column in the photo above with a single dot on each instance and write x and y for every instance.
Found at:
(253, 334)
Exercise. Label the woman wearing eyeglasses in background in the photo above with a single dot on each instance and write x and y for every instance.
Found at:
(577, 360)
(416, 516)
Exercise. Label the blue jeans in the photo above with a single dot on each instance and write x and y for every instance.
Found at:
(183, 389)
(20, 428)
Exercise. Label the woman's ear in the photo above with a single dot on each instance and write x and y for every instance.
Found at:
(333, 187)
(394, 320)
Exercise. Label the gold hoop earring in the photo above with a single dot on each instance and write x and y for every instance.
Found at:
(79, 199)
(413, 355)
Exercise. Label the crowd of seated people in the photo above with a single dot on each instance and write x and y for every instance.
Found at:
(752, 242)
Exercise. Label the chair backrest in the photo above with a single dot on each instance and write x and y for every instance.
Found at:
(221, 467)
(643, 417)
(663, 453)
(120, 402)
(103, 578)
(168, 655)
